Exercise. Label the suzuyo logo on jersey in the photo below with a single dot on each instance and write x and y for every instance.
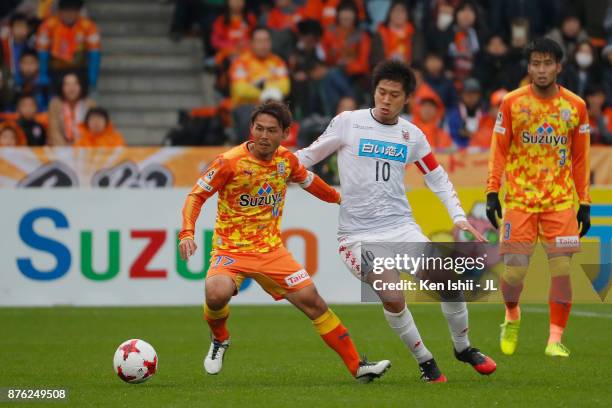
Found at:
(545, 134)
(265, 196)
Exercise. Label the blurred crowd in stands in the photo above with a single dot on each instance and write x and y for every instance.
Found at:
(318, 54)
(50, 56)
(315, 54)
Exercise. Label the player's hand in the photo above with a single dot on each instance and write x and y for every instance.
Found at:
(466, 226)
(187, 247)
(584, 219)
(493, 207)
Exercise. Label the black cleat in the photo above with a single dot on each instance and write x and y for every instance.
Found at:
(481, 362)
(431, 373)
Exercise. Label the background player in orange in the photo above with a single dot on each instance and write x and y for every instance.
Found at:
(541, 143)
(251, 179)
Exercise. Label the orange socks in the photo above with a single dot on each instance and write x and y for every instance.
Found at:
(216, 320)
(511, 299)
(337, 337)
(559, 305)
(559, 297)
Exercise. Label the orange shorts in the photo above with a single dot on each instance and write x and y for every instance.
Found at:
(276, 271)
(558, 230)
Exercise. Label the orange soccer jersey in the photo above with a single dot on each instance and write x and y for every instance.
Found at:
(542, 145)
(251, 199)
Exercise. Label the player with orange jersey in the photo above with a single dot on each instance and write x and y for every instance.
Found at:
(541, 143)
(251, 180)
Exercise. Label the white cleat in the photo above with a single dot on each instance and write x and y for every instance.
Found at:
(368, 371)
(213, 363)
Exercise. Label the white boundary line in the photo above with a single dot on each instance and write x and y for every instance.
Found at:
(581, 313)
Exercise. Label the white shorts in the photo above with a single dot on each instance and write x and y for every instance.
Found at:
(349, 246)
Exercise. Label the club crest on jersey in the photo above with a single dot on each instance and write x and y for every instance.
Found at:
(280, 168)
(383, 150)
(265, 197)
(566, 114)
(405, 134)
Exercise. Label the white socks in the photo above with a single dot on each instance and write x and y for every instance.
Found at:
(456, 315)
(402, 323)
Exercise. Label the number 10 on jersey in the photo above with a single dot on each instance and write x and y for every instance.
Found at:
(383, 171)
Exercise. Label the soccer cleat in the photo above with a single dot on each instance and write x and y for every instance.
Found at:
(481, 362)
(556, 350)
(431, 373)
(368, 371)
(508, 338)
(214, 359)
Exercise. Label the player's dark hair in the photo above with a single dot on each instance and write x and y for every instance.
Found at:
(396, 71)
(276, 109)
(544, 45)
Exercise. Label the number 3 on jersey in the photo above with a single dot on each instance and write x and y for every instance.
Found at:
(383, 172)
(562, 157)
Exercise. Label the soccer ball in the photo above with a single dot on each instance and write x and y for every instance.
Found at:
(135, 361)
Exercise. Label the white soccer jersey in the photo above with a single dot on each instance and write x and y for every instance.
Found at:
(372, 159)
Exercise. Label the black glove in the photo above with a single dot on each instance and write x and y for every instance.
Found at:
(493, 207)
(584, 218)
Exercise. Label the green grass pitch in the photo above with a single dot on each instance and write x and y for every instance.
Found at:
(277, 359)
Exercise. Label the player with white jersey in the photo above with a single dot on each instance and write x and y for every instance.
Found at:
(374, 146)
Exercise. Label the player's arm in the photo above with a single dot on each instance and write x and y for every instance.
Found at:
(581, 169)
(330, 141)
(500, 145)
(207, 185)
(312, 183)
(437, 181)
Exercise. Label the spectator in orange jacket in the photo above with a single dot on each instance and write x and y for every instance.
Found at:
(482, 137)
(11, 135)
(98, 131)
(465, 46)
(424, 91)
(600, 116)
(283, 16)
(69, 42)
(428, 118)
(395, 38)
(326, 11)
(231, 30)
(253, 72)
(346, 45)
